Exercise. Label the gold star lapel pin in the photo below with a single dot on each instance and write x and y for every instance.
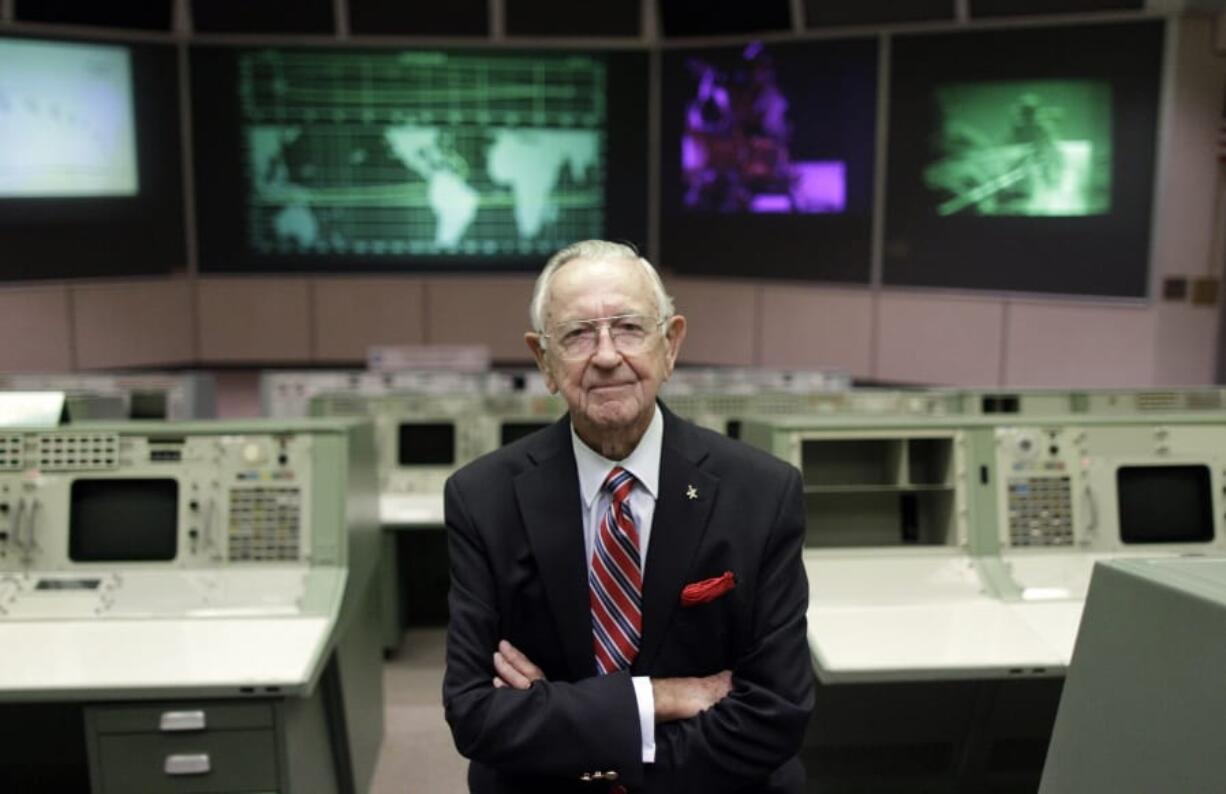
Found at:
(691, 492)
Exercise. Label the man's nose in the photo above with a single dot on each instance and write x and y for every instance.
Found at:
(607, 354)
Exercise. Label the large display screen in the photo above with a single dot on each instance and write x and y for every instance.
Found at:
(90, 159)
(1023, 159)
(767, 159)
(381, 159)
(66, 120)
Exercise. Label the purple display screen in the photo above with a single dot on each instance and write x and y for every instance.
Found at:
(738, 144)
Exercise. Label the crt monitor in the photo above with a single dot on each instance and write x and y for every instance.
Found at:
(147, 404)
(1165, 504)
(123, 520)
(426, 443)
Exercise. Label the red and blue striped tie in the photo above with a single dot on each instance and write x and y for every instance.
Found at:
(616, 579)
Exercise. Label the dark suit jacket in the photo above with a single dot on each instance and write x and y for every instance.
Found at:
(518, 572)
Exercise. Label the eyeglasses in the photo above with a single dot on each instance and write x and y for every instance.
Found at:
(630, 333)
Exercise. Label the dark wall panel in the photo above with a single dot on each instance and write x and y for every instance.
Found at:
(263, 16)
(723, 17)
(1013, 8)
(452, 18)
(569, 18)
(135, 14)
(824, 13)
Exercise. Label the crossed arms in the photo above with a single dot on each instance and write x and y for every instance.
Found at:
(719, 732)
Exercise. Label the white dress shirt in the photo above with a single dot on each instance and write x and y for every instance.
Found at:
(644, 464)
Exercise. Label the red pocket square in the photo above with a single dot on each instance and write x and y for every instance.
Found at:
(707, 590)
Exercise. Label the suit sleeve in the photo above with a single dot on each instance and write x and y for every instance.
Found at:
(761, 724)
(552, 728)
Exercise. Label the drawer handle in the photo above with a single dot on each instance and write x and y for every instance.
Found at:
(182, 720)
(187, 764)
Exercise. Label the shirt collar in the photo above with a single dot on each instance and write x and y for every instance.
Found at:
(643, 462)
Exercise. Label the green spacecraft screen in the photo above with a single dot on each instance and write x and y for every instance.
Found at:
(66, 120)
(420, 153)
(1030, 148)
(1023, 159)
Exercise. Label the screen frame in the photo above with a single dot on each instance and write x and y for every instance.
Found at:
(100, 236)
(220, 207)
(820, 247)
(948, 253)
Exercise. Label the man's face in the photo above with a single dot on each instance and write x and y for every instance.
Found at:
(610, 390)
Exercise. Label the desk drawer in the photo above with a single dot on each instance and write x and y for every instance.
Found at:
(237, 760)
(157, 718)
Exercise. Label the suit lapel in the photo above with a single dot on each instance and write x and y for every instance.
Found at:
(550, 507)
(683, 508)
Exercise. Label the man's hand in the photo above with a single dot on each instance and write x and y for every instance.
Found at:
(513, 668)
(682, 698)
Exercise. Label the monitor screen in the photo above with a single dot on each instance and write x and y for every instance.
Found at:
(1165, 504)
(1023, 159)
(426, 444)
(381, 159)
(514, 431)
(123, 520)
(1022, 148)
(91, 166)
(767, 159)
(147, 404)
(67, 125)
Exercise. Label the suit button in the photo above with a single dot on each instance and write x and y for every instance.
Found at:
(597, 775)
(586, 777)
(611, 775)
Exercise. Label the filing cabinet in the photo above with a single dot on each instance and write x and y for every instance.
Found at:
(183, 748)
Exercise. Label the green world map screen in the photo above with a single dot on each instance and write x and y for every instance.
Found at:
(421, 153)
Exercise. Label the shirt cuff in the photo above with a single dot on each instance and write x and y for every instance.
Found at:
(647, 716)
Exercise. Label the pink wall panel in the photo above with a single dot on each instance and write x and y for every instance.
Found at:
(34, 325)
(1077, 345)
(133, 324)
(351, 315)
(1190, 228)
(491, 311)
(1185, 342)
(816, 327)
(943, 341)
(261, 320)
(721, 317)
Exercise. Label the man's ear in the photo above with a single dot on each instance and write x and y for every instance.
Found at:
(533, 340)
(674, 335)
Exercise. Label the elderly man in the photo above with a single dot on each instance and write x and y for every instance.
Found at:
(627, 595)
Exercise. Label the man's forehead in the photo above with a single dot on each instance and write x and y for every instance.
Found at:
(587, 281)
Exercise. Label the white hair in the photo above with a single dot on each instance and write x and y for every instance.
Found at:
(602, 250)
